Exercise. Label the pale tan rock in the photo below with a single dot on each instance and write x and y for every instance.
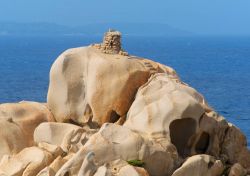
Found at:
(59, 134)
(88, 167)
(12, 138)
(212, 129)
(167, 108)
(47, 171)
(113, 142)
(102, 171)
(200, 165)
(120, 167)
(19, 121)
(88, 86)
(27, 115)
(132, 171)
(237, 170)
(58, 163)
(52, 149)
(155, 67)
(114, 167)
(141, 171)
(26, 163)
(93, 85)
(224, 140)
(53, 167)
(111, 42)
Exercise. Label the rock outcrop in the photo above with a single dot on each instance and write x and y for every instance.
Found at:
(27, 163)
(113, 142)
(164, 108)
(18, 122)
(200, 165)
(88, 86)
(118, 115)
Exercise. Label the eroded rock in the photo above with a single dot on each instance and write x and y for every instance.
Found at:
(81, 76)
(200, 165)
(167, 108)
(113, 142)
(28, 162)
(19, 121)
(237, 170)
(168, 127)
(67, 136)
(132, 171)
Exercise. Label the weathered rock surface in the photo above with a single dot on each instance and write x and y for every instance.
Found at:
(235, 147)
(102, 171)
(56, 133)
(113, 142)
(132, 171)
(237, 170)
(18, 122)
(164, 107)
(68, 136)
(47, 171)
(81, 76)
(200, 165)
(119, 112)
(162, 102)
(26, 163)
(167, 108)
(12, 138)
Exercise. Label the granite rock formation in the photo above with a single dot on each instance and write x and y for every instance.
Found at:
(90, 87)
(18, 122)
(113, 114)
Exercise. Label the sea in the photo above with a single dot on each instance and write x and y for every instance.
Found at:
(218, 67)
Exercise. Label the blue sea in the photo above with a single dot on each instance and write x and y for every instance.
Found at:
(218, 67)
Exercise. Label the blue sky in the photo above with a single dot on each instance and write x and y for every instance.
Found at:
(198, 16)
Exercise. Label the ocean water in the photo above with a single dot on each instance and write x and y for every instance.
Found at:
(218, 67)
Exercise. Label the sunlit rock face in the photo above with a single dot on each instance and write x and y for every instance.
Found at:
(203, 165)
(18, 122)
(165, 107)
(118, 115)
(89, 86)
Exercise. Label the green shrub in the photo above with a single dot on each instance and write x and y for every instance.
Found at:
(137, 163)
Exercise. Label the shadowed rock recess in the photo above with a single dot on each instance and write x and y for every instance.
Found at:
(112, 114)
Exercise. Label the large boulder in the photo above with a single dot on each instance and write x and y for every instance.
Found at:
(200, 165)
(114, 142)
(89, 86)
(166, 108)
(12, 138)
(18, 122)
(154, 120)
(234, 147)
(26, 163)
(67, 136)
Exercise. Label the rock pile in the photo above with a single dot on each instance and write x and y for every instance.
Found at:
(110, 114)
(111, 43)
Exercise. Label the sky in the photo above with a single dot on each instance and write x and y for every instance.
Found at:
(215, 17)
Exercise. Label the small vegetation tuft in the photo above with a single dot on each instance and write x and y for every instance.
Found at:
(137, 163)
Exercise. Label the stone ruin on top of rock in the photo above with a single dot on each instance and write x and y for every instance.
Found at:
(106, 110)
(111, 43)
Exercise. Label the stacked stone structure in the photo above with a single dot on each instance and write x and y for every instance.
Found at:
(111, 43)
